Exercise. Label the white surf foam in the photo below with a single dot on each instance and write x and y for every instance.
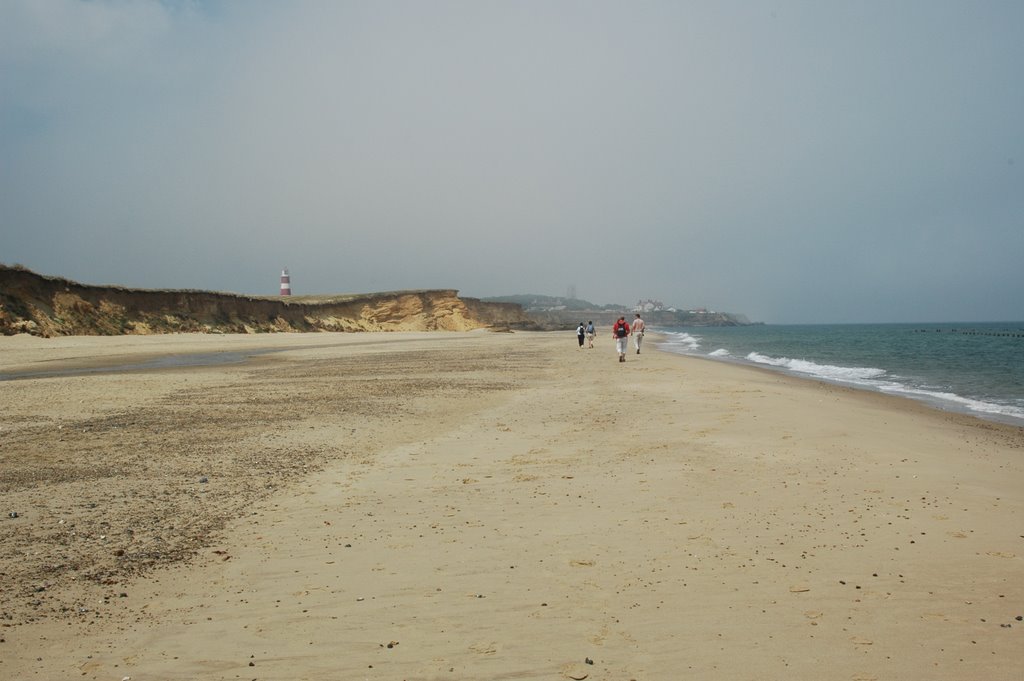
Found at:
(939, 398)
(879, 380)
(870, 378)
(682, 342)
(826, 371)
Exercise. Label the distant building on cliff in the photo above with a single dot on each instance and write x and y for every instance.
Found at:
(286, 283)
(649, 306)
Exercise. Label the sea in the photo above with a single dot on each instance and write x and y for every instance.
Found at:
(973, 368)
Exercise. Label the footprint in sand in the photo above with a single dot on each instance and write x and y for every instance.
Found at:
(599, 638)
(574, 671)
(485, 647)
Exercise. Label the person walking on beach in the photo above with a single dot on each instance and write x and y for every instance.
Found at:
(580, 331)
(620, 332)
(638, 332)
(591, 333)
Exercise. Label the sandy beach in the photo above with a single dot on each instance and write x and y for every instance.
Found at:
(489, 506)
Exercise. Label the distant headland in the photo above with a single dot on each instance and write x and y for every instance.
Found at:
(556, 312)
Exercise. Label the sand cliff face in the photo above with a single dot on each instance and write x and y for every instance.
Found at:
(49, 306)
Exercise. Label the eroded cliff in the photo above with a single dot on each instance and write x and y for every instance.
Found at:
(52, 306)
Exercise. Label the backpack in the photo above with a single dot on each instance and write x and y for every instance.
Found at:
(620, 330)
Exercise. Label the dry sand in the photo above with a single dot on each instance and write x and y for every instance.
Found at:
(492, 506)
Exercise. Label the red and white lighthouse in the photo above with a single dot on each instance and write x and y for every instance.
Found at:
(286, 283)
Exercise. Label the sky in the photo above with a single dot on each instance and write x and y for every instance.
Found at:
(796, 162)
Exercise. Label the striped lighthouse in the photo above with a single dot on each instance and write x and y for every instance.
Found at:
(286, 283)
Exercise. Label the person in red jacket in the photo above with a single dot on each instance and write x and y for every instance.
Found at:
(620, 332)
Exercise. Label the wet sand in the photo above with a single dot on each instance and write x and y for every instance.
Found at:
(478, 505)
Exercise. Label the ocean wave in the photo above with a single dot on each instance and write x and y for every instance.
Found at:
(879, 380)
(827, 371)
(928, 387)
(940, 398)
(681, 342)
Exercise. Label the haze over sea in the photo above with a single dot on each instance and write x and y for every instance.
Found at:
(973, 368)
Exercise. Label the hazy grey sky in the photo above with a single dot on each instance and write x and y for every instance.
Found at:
(794, 161)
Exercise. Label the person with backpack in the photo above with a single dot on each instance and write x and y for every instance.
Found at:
(580, 331)
(590, 334)
(620, 332)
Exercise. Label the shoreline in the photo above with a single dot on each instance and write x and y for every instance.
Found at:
(902, 401)
(471, 505)
(224, 352)
(944, 402)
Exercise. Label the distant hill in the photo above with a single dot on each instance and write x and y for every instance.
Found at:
(532, 301)
(564, 313)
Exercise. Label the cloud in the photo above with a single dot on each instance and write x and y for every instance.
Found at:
(794, 162)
